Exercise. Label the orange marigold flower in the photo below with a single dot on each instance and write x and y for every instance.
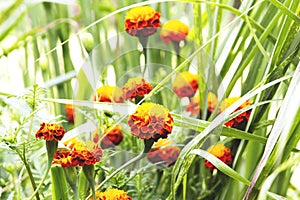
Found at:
(142, 21)
(136, 86)
(240, 121)
(163, 153)
(112, 136)
(70, 112)
(185, 84)
(174, 31)
(78, 154)
(112, 194)
(151, 120)
(194, 106)
(109, 94)
(50, 132)
(221, 152)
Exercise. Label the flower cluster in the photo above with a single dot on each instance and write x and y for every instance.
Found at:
(112, 136)
(136, 86)
(112, 194)
(221, 152)
(151, 120)
(240, 121)
(109, 94)
(163, 152)
(185, 84)
(174, 31)
(194, 106)
(142, 21)
(77, 154)
(50, 132)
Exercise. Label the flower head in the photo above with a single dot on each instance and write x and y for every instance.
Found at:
(174, 31)
(136, 86)
(185, 84)
(241, 120)
(112, 194)
(142, 21)
(70, 112)
(77, 154)
(112, 136)
(151, 120)
(221, 152)
(109, 94)
(50, 132)
(194, 106)
(163, 152)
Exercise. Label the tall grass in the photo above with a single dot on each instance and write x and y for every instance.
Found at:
(65, 50)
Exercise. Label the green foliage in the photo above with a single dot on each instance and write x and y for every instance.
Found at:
(67, 49)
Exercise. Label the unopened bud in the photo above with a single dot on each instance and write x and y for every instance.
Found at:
(88, 41)
(43, 61)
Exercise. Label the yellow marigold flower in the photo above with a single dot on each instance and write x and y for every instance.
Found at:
(163, 152)
(109, 94)
(239, 121)
(50, 132)
(136, 86)
(194, 106)
(142, 21)
(112, 136)
(112, 194)
(151, 120)
(185, 84)
(174, 31)
(221, 152)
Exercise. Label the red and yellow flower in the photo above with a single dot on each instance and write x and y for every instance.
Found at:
(77, 154)
(185, 84)
(240, 121)
(136, 86)
(163, 152)
(142, 21)
(109, 94)
(70, 112)
(112, 137)
(221, 152)
(194, 106)
(50, 132)
(151, 121)
(112, 194)
(174, 31)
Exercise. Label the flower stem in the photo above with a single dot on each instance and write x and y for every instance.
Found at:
(148, 144)
(41, 183)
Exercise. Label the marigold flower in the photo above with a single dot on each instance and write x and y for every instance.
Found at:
(185, 84)
(70, 112)
(112, 194)
(112, 136)
(221, 152)
(109, 94)
(163, 152)
(50, 132)
(194, 106)
(151, 120)
(136, 86)
(142, 21)
(240, 121)
(174, 31)
(78, 154)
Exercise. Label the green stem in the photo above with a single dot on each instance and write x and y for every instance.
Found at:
(23, 158)
(148, 144)
(41, 183)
